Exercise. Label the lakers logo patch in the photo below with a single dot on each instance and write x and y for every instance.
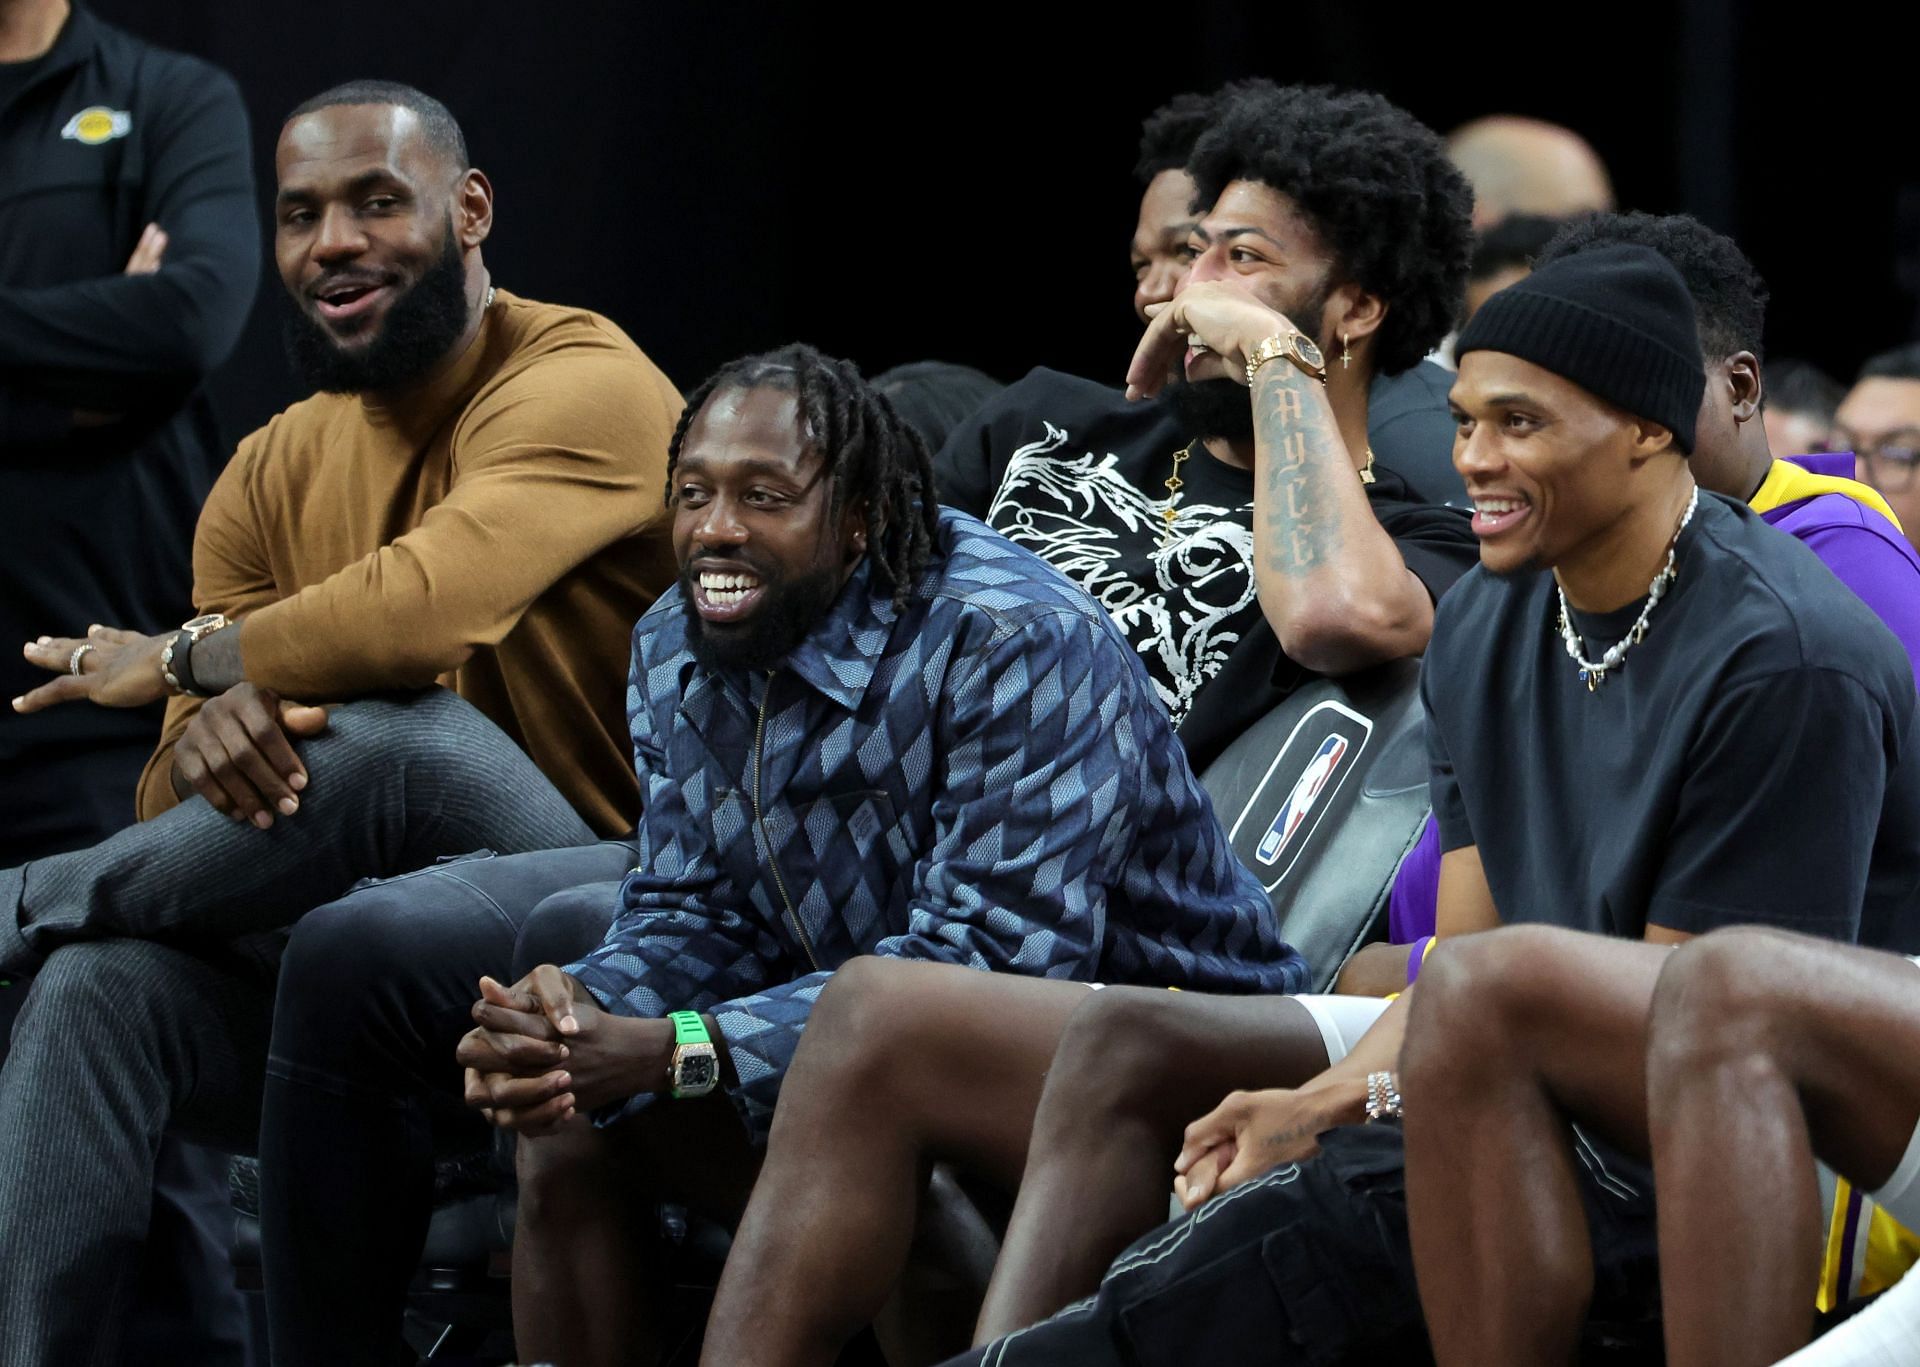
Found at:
(98, 124)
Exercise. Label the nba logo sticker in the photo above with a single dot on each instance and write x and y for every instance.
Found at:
(1300, 801)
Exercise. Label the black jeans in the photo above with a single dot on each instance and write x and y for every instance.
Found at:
(1311, 1264)
(362, 1089)
(153, 956)
(185, 1308)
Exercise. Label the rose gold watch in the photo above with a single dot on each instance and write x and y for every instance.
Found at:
(1296, 347)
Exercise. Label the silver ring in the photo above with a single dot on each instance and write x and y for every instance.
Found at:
(79, 654)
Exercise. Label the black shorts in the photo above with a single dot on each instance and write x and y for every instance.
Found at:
(1310, 1264)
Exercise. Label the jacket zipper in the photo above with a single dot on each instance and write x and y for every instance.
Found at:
(760, 821)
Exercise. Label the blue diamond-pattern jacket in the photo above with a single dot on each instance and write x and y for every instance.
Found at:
(983, 778)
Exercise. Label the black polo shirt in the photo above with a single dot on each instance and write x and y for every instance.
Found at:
(99, 137)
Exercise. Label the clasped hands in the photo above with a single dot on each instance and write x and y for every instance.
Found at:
(543, 1050)
(1229, 322)
(1251, 1132)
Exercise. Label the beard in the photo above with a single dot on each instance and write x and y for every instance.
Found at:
(1224, 408)
(419, 330)
(789, 608)
(1212, 408)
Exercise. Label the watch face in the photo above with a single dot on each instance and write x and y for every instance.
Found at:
(1308, 352)
(697, 1073)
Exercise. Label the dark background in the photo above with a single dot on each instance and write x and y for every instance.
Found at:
(932, 181)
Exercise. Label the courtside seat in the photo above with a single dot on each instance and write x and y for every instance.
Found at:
(1323, 797)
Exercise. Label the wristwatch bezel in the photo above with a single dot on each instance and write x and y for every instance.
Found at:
(205, 624)
(683, 1054)
(1296, 347)
(181, 644)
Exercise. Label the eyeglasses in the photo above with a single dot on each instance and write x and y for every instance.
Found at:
(1888, 463)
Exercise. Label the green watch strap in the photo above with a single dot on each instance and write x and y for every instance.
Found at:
(688, 1028)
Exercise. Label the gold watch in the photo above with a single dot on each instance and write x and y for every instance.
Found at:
(1296, 347)
(182, 641)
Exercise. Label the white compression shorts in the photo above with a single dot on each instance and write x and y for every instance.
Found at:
(1342, 1020)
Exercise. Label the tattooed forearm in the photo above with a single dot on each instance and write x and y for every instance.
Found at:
(1292, 1135)
(1301, 513)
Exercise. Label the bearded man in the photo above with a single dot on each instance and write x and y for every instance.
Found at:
(474, 501)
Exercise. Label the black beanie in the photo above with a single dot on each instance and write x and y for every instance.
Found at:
(1615, 320)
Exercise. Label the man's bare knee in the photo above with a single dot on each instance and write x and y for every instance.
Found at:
(1116, 1052)
(1504, 978)
(1717, 1003)
(864, 1026)
(1480, 991)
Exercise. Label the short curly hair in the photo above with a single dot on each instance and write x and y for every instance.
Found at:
(1169, 133)
(1375, 183)
(1729, 297)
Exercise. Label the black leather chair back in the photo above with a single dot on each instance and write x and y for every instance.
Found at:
(1323, 797)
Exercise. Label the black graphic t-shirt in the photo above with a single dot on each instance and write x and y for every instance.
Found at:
(1074, 472)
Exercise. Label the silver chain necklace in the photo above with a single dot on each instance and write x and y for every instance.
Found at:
(1592, 674)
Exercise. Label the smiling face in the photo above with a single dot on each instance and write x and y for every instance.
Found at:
(373, 231)
(1545, 462)
(1161, 253)
(761, 553)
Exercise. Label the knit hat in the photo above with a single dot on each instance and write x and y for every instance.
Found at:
(1616, 320)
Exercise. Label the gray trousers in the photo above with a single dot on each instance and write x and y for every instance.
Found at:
(154, 956)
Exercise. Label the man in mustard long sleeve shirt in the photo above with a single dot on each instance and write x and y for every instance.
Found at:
(475, 500)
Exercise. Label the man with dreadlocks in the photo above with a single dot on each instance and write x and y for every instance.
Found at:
(862, 726)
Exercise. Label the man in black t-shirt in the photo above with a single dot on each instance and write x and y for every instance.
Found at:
(1688, 722)
(1243, 548)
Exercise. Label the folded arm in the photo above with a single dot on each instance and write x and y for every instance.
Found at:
(119, 344)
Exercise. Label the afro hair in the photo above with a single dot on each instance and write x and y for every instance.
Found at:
(1169, 133)
(1375, 183)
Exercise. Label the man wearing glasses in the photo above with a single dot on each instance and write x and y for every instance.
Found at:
(1879, 421)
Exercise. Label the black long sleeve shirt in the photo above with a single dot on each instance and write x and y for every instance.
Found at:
(98, 138)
